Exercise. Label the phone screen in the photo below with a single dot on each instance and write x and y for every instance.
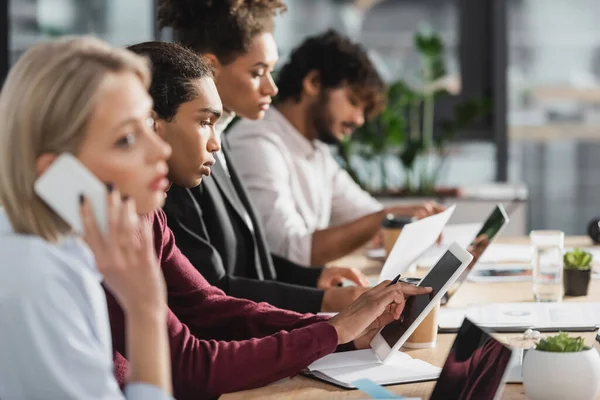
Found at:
(415, 305)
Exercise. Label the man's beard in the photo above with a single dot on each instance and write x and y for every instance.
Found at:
(323, 121)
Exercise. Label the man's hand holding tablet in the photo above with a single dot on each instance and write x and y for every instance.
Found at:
(374, 309)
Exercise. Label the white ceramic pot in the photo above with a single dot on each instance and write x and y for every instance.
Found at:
(561, 376)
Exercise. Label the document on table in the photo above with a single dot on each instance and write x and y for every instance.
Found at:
(492, 273)
(507, 253)
(463, 234)
(510, 317)
(414, 240)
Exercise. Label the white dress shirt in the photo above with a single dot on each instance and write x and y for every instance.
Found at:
(55, 340)
(296, 185)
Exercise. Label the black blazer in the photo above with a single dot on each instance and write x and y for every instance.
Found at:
(209, 228)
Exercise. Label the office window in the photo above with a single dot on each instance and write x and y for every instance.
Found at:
(386, 28)
(554, 109)
(117, 21)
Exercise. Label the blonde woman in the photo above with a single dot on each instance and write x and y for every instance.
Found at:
(80, 96)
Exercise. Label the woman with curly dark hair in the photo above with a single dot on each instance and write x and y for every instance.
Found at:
(236, 36)
(215, 224)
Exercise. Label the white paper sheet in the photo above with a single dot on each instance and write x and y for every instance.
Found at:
(538, 315)
(414, 239)
(480, 273)
(451, 318)
(507, 253)
(350, 359)
(463, 234)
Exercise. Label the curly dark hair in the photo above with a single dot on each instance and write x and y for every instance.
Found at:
(224, 28)
(338, 61)
(174, 68)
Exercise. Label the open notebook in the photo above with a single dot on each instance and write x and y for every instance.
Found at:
(341, 369)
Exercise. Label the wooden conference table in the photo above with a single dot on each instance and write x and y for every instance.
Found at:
(300, 387)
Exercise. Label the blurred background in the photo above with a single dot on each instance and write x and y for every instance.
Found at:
(536, 61)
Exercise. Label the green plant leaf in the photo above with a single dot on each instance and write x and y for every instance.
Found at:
(429, 43)
(412, 148)
(578, 259)
(561, 343)
(409, 116)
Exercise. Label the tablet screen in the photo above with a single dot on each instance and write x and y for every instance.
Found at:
(436, 279)
(474, 368)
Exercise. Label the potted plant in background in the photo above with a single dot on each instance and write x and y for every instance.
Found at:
(406, 131)
(561, 367)
(577, 272)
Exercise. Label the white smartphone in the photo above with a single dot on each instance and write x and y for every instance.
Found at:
(61, 185)
(449, 267)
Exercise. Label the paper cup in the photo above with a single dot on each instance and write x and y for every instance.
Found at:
(391, 227)
(425, 336)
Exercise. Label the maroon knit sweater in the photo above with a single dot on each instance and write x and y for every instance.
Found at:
(222, 344)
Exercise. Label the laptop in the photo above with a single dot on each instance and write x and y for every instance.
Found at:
(476, 367)
(490, 230)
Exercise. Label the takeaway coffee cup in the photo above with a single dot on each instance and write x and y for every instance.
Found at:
(391, 227)
(425, 336)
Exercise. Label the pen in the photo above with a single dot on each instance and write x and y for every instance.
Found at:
(395, 280)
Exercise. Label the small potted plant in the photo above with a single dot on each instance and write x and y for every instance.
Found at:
(577, 272)
(561, 367)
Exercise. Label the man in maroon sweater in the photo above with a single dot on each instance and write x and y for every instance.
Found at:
(219, 343)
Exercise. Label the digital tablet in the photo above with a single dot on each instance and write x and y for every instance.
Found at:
(490, 230)
(445, 272)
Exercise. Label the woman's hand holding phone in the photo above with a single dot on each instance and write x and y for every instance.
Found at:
(126, 258)
(125, 255)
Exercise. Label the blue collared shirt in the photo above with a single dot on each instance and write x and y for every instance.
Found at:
(55, 338)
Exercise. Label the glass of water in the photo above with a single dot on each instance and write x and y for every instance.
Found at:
(547, 265)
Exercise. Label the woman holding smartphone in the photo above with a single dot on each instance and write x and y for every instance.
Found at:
(83, 97)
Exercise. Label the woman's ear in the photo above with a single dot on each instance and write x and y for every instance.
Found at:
(44, 161)
(214, 63)
(311, 84)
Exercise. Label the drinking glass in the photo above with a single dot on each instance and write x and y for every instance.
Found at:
(547, 265)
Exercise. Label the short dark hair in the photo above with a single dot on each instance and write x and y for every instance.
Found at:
(173, 69)
(224, 28)
(338, 61)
